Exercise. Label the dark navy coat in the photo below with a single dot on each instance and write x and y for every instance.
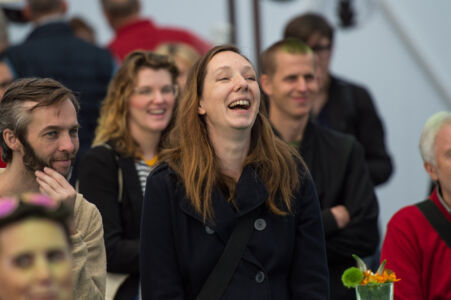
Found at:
(285, 256)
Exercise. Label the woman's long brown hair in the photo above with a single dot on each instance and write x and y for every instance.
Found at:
(189, 153)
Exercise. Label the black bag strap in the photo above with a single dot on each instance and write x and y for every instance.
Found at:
(120, 179)
(220, 276)
(437, 219)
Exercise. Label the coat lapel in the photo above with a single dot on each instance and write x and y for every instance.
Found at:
(250, 194)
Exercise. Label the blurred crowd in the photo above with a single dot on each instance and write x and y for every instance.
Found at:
(164, 167)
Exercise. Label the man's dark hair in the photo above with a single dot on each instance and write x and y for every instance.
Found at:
(288, 45)
(16, 116)
(120, 8)
(303, 27)
(42, 7)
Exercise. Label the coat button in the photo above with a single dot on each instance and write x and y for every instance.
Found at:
(259, 277)
(260, 224)
(208, 230)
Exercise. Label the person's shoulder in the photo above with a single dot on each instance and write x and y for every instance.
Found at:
(101, 152)
(163, 171)
(334, 139)
(10, 54)
(406, 215)
(86, 215)
(83, 207)
(92, 49)
(340, 81)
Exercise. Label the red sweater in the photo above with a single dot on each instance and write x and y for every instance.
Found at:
(144, 34)
(418, 255)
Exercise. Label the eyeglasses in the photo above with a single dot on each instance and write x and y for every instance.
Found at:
(167, 90)
(8, 205)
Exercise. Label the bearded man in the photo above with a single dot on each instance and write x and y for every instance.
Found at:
(39, 141)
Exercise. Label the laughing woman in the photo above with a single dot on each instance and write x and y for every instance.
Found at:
(134, 117)
(223, 167)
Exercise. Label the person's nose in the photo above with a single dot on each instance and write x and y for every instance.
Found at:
(67, 143)
(301, 85)
(158, 97)
(42, 269)
(241, 83)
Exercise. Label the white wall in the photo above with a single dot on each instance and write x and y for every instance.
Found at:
(374, 54)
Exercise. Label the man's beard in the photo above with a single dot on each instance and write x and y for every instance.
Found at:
(33, 162)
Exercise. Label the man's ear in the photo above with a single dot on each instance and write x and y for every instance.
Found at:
(265, 84)
(432, 170)
(11, 139)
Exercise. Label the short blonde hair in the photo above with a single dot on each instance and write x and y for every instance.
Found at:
(179, 50)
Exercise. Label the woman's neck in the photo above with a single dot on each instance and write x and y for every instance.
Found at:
(231, 150)
(147, 140)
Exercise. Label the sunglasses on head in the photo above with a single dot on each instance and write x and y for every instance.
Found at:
(8, 205)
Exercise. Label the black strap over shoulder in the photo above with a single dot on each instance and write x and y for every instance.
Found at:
(219, 278)
(120, 179)
(436, 219)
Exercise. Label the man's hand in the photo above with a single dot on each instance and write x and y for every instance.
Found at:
(341, 215)
(54, 185)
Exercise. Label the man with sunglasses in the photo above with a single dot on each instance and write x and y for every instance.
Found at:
(39, 141)
(339, 104)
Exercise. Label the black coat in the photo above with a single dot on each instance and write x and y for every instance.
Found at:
(350, 109)
(98, 182)
(179, 251)
(341, 176)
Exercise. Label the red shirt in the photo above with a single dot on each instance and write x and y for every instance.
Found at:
(144, 34)
(418, 255)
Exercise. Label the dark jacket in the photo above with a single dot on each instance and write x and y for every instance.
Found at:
(341, 176)
(52, 50)
(98, 182)
(284, 260)
(350, 109)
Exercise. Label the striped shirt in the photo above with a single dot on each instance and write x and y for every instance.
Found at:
(143, 171)
(143, 168)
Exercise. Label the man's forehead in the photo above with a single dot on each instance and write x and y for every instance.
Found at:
(283, 59)
(443, 136)
(44, 114)
(32, 105)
